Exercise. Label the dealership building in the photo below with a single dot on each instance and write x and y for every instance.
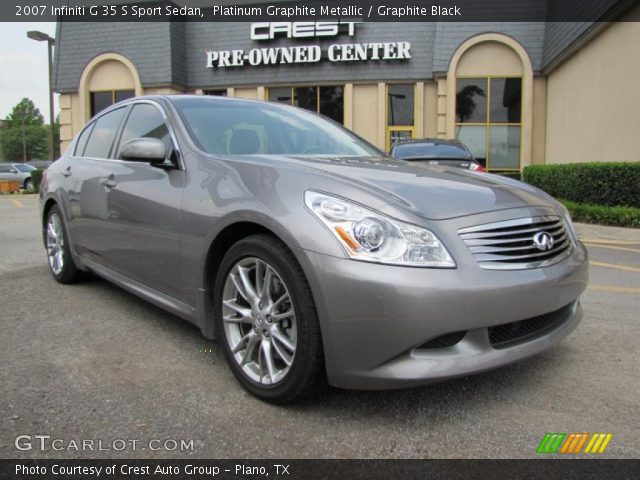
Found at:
(515, 93)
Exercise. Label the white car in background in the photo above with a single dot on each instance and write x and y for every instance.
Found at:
(18, 171)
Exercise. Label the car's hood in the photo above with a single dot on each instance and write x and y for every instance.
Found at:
(433, 192)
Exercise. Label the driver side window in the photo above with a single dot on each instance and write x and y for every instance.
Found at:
(146, 120)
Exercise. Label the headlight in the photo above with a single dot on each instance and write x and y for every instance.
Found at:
(370, 236)
(569, 223)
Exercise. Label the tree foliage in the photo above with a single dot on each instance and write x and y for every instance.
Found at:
(26, 136)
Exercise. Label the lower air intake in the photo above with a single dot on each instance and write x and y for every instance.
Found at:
(510, 334)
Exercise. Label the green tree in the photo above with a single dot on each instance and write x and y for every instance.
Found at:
(25, 136)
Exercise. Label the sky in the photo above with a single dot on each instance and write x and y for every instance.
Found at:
(23, 67)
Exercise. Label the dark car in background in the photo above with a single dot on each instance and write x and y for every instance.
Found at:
(436, 151)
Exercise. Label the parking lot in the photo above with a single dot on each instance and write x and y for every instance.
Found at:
(90, 361)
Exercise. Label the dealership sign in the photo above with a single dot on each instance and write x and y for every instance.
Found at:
(300, 54)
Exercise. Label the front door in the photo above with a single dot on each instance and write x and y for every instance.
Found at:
(144, 208)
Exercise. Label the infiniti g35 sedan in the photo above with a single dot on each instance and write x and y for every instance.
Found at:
(310, 255)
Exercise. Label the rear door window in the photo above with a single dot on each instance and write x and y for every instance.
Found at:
(82, 141)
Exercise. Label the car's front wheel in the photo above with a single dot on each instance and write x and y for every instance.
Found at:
(267, 322)
(58, 252)
(28, 184)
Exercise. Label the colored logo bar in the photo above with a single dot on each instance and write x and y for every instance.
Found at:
(573, 443)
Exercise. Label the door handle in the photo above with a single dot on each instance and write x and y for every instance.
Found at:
(108, 182)
(67, 171)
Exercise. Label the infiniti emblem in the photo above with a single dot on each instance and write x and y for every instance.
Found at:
(543, 241)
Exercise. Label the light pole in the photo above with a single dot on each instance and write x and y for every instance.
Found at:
(43, 37)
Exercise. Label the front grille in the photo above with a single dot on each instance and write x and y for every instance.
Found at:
(511, 244)
(510, 334)
(443, 341)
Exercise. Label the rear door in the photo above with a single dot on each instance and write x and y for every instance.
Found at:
(86, 194)
(144, 206)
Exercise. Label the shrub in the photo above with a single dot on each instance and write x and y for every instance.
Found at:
(36, 178)
(599, 214)
(607, 184)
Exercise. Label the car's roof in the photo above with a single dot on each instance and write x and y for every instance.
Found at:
(180, 96)
(172, 97)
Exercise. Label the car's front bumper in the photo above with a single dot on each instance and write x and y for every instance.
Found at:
(373, 317)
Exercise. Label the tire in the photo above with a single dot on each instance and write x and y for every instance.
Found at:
(59, 256)
(249, 334)
(28, 184)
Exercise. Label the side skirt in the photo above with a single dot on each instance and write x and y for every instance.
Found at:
(159, 299)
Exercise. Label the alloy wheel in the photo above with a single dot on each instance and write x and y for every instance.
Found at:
(55, 244)
(259, 321)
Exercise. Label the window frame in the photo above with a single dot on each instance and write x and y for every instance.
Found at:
(89, 126)
(94, 121)
(389, 129)
(113, 98)
(215, 92)
(116, 142)
(179, 164)
(488, 124)
(317, 87)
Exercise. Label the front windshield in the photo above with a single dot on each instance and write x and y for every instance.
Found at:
(228, 127)
(25, 168)
(430, 150)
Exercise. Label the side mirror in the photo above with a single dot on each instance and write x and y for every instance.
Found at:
(144, 149)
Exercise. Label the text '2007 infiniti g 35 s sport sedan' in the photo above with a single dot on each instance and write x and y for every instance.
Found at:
(310, 255)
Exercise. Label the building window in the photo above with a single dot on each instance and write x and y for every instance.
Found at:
(489, 120)
(400, 113)
(327, 100)
(222, 92)
(103, 99)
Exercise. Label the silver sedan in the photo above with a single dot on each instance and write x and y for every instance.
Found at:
(310, 255)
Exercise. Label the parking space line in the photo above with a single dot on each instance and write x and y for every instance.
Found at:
(613, 248)
(615, 267)
(17, 203)
(611, 288)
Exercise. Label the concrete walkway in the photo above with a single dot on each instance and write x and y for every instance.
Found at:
(588, 232)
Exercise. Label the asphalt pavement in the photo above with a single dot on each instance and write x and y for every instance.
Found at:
(92, 362)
